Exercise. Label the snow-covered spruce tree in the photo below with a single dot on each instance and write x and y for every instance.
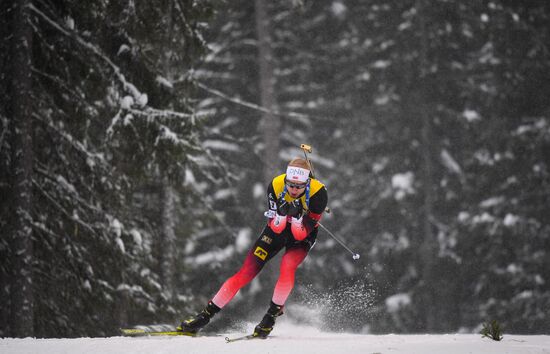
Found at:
(18, 156)
(114, 128)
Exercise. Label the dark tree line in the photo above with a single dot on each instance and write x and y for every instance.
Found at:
(99, 131)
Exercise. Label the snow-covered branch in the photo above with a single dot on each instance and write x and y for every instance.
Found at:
(137, 96)
(251, 105)
(62, 209)
(129, 87)
(91, 157)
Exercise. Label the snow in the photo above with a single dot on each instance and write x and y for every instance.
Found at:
(471, 115)
(396, 302)
(510, 220)
(286, 339)
(142, 100)
(123, 48)
(338, 9)
(120, 244)
(127, 102)
(449, 162)
(116, 226)
(244, 239)
(258, 190)
(403, 184)
(221, 145)
(136, 235)
(66, 185)
(69, 22)
(381, 64)
(219, 255)
(483, 218)
(492, 202)
(162, 81)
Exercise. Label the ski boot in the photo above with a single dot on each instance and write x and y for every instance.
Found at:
(264, 328)
(195, 323)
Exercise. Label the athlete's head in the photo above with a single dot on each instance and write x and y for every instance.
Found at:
(297, 175)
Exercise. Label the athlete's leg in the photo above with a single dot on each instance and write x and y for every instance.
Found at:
(261, 252)
(290, 262)
(292, 258)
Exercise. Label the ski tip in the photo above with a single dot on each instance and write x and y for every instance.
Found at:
(131, 331)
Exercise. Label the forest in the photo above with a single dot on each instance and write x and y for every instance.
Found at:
(137, 139)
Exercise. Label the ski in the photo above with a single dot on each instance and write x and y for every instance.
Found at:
(143, 332)
(247, 337)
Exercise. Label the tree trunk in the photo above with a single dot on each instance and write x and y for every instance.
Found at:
(167, 195)
(21, 314)
(428, 248)
(270, 125)
(428, 251)
(168, 239)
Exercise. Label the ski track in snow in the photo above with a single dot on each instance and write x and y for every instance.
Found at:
(287, 339)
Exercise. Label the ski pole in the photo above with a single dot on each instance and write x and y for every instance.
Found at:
(355, 256)
(308, 149)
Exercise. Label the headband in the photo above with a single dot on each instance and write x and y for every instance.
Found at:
(297, 174)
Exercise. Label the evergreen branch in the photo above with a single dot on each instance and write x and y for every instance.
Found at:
(492, 330)
(116, 70)
(167, 134)
(62, 209)
(77, 145)
(212, 211)
(78, 198)
(63, 85)
(128, 86)
(190, 32)
(252, 105)
(66, 260)
(162, 113)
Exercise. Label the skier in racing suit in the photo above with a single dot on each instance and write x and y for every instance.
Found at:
(296, 203)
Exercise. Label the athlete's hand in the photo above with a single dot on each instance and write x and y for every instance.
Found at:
(294, 208)
(283, 207)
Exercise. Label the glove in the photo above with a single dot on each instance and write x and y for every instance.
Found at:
(292, 209)
(295, 208)
(282, 207)
(298, 229)
(278, 223)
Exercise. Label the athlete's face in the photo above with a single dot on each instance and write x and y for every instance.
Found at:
(295, 189)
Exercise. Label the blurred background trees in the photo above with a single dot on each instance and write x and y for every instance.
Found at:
(136, 138)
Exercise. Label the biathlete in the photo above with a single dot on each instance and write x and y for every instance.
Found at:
(296, 202)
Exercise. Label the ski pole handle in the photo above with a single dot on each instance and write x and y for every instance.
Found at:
(306, 148)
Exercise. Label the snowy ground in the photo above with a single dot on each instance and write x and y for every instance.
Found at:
(286, 339)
